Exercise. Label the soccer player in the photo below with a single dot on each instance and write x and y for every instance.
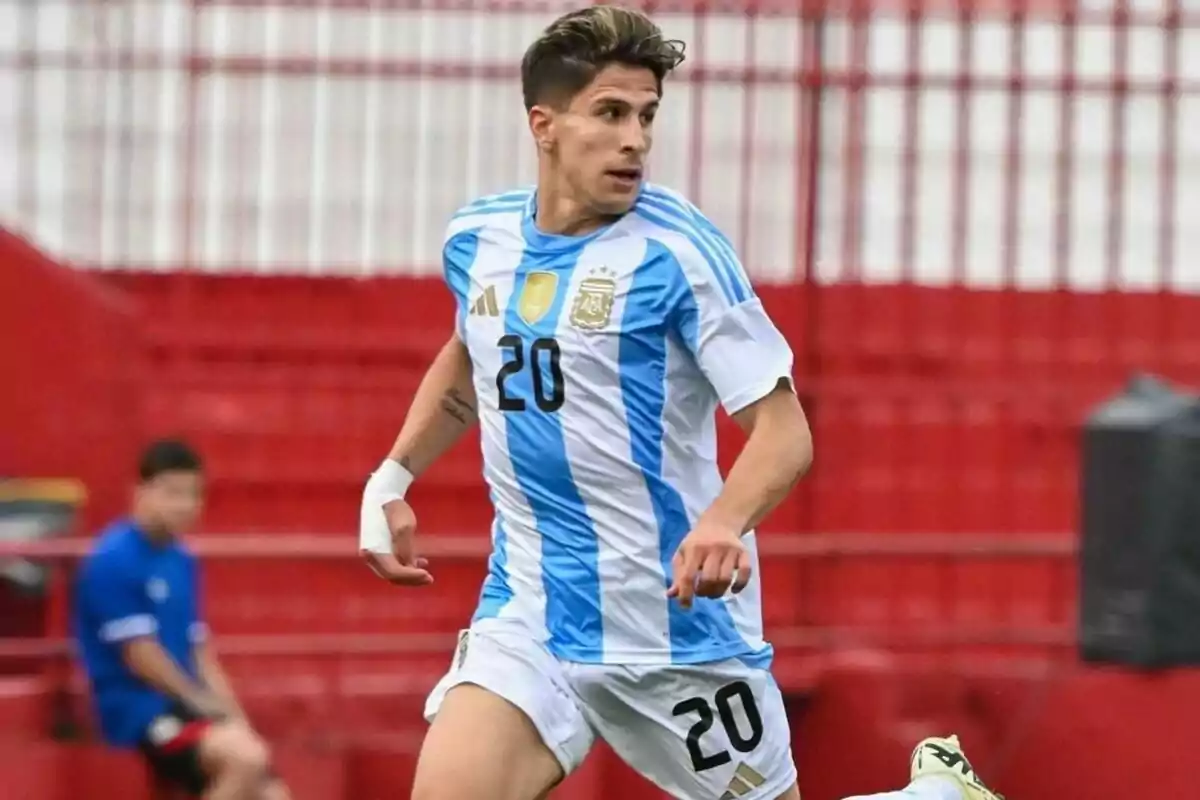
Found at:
(156, 682)
(600, 320)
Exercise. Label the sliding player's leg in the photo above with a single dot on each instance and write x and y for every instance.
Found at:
(504, 723)
(920, 789)
(940, 771)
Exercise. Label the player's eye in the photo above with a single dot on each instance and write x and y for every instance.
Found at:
(648, 118)
(612, 113)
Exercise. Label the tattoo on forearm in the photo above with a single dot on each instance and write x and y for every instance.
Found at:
(454, 405)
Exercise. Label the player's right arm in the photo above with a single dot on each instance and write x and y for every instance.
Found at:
(443, 409)
(116, 599)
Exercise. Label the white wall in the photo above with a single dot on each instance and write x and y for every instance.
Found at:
(320, 143)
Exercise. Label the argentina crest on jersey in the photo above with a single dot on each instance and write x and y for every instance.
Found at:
(593, 304)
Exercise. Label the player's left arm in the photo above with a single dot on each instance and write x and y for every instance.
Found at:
(748, 363)
(208, 666)
(777, 453)
(215, 679)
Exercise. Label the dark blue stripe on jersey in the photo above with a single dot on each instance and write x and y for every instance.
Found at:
(457, 258)
(538, 450)
(707, 632)
(733, 293)
(497, 591)
(716, 248)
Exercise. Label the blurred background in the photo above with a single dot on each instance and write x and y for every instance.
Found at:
(222, 219)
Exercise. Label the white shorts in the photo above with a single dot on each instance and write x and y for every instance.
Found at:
(699, 732)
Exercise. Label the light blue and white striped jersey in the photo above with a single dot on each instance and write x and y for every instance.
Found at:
(598, 364)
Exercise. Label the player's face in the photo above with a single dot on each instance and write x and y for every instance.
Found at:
(604, 135)
(174, 499)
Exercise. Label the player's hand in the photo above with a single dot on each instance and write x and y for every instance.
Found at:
(710, 560)
(208, 706)
(401, 566)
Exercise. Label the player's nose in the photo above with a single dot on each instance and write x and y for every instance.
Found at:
(634, 138)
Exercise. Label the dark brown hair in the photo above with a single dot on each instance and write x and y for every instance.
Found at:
(578, 45)
(167, 455)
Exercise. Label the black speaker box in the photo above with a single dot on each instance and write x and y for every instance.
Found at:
(1140, 549)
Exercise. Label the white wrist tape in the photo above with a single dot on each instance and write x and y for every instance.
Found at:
(387, 483)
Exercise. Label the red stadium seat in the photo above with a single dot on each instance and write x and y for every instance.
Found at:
(24, 708)
(38, 771)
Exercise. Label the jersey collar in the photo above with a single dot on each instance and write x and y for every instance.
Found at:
(538, 240)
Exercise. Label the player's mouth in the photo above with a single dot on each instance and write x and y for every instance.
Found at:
(627, 179)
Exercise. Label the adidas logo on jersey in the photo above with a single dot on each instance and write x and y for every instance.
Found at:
(745, 780)
(486, 305)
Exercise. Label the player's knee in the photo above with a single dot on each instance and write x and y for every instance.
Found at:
(251, 756)
(236, 749)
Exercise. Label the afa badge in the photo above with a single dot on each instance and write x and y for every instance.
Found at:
(593, 304)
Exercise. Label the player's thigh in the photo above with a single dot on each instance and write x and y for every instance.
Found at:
(480, 745)
(705, 731)
(505, 723)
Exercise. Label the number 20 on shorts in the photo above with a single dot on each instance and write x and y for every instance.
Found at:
(701, 707)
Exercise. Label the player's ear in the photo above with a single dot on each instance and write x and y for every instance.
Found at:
(541, 125)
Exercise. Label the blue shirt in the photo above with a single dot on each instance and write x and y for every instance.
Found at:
(599, 362)
(130, 586)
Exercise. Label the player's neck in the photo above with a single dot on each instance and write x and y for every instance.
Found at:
(559, 213)
(150, 527)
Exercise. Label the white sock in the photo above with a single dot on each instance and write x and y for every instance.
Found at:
(928, 787)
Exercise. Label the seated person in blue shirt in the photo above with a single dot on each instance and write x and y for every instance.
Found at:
(156, 683)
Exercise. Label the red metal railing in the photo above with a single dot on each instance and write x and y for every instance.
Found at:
(808, 618)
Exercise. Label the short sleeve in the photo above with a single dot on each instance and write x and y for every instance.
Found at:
(116, 601)
(457, 255)
(724, 325)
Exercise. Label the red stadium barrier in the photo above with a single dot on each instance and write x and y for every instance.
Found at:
(342, 704)
(333, 665)
(254, 601)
